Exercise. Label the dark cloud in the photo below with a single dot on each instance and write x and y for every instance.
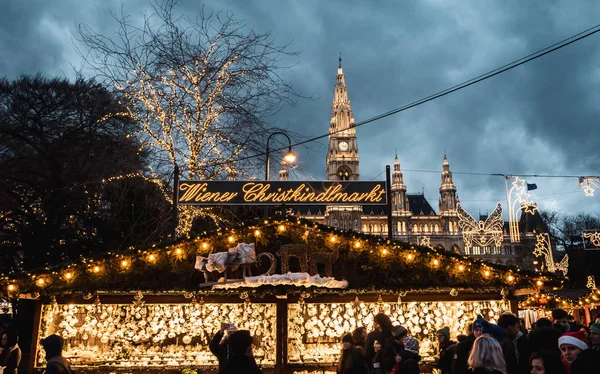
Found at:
(540, 118)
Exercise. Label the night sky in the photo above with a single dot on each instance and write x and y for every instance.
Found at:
(540, 118)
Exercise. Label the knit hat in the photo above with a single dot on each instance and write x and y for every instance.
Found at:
(398, 331)
(595, 327)
(492, 330)
(478, 323)
(411, 345)
(576, 338)
(445, 331)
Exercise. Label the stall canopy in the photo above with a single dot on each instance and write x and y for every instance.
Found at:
(288, 254)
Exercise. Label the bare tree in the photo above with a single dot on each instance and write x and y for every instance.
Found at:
(206, 90)
(567, 230)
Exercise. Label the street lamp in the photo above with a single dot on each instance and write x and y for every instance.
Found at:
(289, 157)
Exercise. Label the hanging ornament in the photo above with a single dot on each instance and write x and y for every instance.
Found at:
(138, 299)
(88, 296)
(453, 292)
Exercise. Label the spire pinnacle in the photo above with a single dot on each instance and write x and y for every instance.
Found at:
(340, 60)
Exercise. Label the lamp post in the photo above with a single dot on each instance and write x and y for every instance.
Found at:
(289, 157)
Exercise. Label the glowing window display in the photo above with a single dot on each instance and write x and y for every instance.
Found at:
(153, 335)
(315, 330)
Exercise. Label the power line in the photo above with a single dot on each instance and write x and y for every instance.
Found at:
(542, 52)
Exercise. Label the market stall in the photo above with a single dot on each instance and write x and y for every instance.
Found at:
(298, 287)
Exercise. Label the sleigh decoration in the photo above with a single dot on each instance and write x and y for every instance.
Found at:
(243, 255)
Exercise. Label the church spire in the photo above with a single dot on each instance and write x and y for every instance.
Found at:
(448, 200)
(398, 189)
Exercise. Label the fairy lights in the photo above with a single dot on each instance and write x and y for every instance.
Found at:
(521, 202)
(153, 335)
(11, 287)
(587, 183)
(481, 233)
(314, 330)
(543, 247)
(92, 272)
(594, 238)
(591, 282)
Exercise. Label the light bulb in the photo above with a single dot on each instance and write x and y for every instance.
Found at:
(151, 258)
(257, 233)
(539, 283)
(282, 228)
(124, 263)
(178, 251)
(510, 278)
(231, 239)
(68, 275)
(357, 244)
(41, 281)
(410, 257)
(96, 269)
(461, 267)
(332, 239)
(436, 262)
(486, 273)
(204, 245)
(384, 251)
(11, 287)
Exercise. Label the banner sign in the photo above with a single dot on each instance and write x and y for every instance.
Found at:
(281, 192)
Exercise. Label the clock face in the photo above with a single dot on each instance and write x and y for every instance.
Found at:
(343, 146)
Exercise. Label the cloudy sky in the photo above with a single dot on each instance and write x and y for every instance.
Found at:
(541, 118)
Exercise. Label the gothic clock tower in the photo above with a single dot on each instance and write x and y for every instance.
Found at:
(342, 155)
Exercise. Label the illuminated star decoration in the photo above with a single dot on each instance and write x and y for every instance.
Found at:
(425, 241)
(543, 247)
(481, 233)
(591, 282)
(587, 182)
(594, 238)
(522, 202)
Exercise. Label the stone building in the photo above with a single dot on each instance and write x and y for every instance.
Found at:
(414, 219)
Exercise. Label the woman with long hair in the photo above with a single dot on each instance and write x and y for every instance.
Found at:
(352, 361)
(486, 357)
(10, 358)
(546, 362)
(382, 332)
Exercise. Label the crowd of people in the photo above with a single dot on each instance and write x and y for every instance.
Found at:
(557, 346)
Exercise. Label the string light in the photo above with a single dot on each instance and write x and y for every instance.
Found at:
(41, 281)
(178, 251)
(151, 257)
(510, 278)
(410, 257)
(281, 228)
(124, 264)
(357, 244)
(384, 251)
(231, 239)
(436, 262)
(461, 267)
(257, 233)
(539, 283)
(96, 269)
(486, 273)
(204, 245)
(332, 239)
(12, 287)
(68, 275)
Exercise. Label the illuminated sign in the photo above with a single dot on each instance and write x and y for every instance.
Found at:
(281, 192)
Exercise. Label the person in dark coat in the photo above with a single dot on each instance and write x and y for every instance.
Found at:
(55, 362)
(409, 358)
(463, 348)
(511, 325)
(393, 348)
(352, 360)
(219, 346)
(383, 331)
(377, 362)
(544, 337)
(359, 336)
(10, 358)
(240, 355)
(445, 356)
(587, 362)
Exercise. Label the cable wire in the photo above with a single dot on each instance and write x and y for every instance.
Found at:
(535, 55)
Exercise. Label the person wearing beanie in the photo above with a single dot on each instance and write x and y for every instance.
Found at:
(241, 359)
(55, 362)
(463, 349)
(571, 344)
(506, 343)
(352, 361)
(407, 358)
(444, 360)
(595, 336)
(393, 346)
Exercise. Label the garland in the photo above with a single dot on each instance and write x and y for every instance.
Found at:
(370, 264)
